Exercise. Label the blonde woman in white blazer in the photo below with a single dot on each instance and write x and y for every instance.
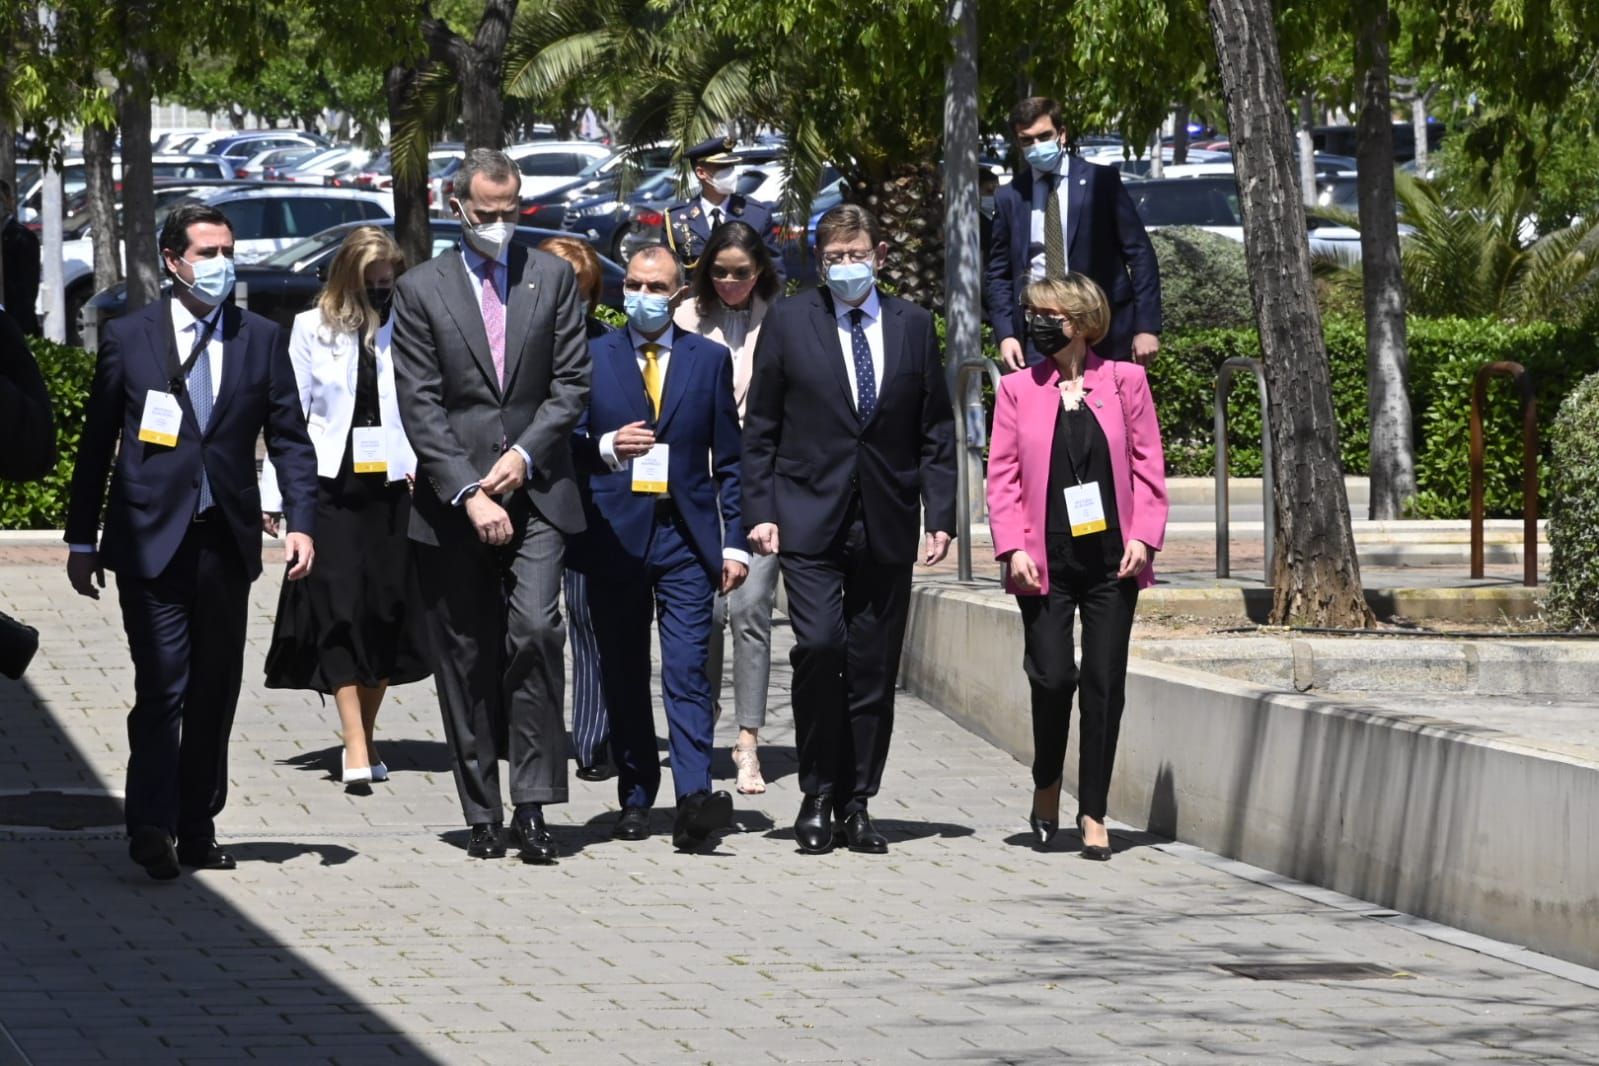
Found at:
(733, 285)
(356, 628)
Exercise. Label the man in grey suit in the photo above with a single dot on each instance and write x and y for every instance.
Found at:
(492, 369)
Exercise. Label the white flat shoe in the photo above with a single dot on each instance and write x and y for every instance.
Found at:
(354, 775)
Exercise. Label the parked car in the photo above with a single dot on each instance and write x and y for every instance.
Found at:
(265, 163)
(270, 217)
(74, 179)
(605, 174)
(287, 283)
(548, 164)
(614, 225)
(320, 167)
(240, 145)
(1211, 203)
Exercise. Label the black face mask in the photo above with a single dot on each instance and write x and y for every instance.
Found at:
(380, 300)
(1048, 335)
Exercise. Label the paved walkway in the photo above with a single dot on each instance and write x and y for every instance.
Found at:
(355, 929)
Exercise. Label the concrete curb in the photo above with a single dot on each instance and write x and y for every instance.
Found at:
(1493, 603)
(1459, 824)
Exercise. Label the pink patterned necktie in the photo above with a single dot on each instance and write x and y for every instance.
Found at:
(494, 321)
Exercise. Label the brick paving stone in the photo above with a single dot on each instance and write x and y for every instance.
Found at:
(356, 931)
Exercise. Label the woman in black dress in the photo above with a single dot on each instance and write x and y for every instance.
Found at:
(354, 626)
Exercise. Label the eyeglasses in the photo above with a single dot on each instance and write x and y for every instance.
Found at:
(849, 256)
(1037, 138)
(1048, 317)
(741, 274)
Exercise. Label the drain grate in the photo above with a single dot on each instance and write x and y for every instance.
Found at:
(1312, 971)
(51, 809)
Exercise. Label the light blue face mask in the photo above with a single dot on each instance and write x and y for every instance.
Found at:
(647, 312)
(213, 279)
(1044, 156)
(851, 282)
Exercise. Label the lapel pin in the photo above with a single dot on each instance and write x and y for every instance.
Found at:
(1082, 181)
(1098, 403)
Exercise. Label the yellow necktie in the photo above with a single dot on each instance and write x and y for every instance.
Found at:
(653, 378)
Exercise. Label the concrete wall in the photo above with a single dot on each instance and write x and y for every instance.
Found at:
(1461, 825)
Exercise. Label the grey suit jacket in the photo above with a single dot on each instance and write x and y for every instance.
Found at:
(457, 417)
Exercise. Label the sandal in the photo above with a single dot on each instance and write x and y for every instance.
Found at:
(750, 782)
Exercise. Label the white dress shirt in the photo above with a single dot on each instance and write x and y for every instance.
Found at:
(706, 207)
(872, 323)
(474, 262)
(187, 330)
(1041, 182)
(608, 440)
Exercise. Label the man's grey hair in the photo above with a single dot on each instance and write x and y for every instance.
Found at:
(491, 163)
(646, 252)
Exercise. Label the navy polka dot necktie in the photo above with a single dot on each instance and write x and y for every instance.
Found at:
(865, 377)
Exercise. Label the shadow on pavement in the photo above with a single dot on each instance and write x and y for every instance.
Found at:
(98, 961)
(400, 756)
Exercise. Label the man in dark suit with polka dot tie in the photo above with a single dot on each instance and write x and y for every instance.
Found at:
(849, 477)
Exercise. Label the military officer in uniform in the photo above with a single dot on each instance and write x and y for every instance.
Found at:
(689, 222)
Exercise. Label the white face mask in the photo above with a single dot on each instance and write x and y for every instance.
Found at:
(722, 181)
(491, 240)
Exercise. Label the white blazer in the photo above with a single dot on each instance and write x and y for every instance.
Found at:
(325, 368)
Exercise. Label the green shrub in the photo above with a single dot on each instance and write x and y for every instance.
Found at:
(1573, 601)
(1444, 356)
(1204, 281)
(43, 504)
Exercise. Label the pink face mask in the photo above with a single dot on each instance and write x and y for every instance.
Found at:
(734, 293)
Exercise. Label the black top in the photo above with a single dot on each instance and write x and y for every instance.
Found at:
(366, 389)
(1079, 455)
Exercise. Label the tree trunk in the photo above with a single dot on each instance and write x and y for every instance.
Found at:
(963, 259)
(1307, 149)
(1316, 579)
(99, 143)
(482, 107)
(8, 164)
(411, 226)
(909, 203)
(1393, 449)
(1157, 155)
(1179, 134)
(138, 182)
(1418, 126)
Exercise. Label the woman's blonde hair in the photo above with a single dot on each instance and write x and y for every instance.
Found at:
(343, 303)
(1079, 297)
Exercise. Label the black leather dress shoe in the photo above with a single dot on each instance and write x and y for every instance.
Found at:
(813, 829)
(634, 824)
(488, 841)
(698, 816)
(205, 856)
(863, 836)
(598, 772)
(152, 848)
(531, 838)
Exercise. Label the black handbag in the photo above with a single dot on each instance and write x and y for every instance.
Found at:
(18, 642)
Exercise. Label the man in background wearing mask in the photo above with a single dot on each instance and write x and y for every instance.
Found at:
(848, 443)
(182, 390)
(689, 222)
(1059, 215)
(492, 370)
(659, 449)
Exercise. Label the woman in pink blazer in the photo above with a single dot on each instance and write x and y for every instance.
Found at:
(1077, 506)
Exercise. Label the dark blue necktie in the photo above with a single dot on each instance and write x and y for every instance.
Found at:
(865, 377)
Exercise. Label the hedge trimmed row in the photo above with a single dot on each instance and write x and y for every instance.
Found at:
(1444, 357)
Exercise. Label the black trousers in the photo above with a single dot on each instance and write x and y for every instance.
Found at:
(495, 633)
(848, 611)
(1082, 578)
(186, 634)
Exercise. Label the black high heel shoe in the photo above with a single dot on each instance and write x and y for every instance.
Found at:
(1044, 829)
(1096, 852)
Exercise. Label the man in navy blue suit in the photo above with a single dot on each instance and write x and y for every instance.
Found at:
(849, 468)
(658, 449)
(1061, 214)
(182, 390)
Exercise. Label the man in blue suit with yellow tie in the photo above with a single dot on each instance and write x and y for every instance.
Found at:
(658, 450)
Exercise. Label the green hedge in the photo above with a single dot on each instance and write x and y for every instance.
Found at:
(43, 504)
(1574, 511)
(1444, 356)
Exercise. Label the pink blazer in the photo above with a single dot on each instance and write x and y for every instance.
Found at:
(1018, 457)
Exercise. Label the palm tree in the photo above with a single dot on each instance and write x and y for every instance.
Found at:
(1482, 258)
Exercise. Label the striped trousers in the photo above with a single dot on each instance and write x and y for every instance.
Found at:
(591, 726)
